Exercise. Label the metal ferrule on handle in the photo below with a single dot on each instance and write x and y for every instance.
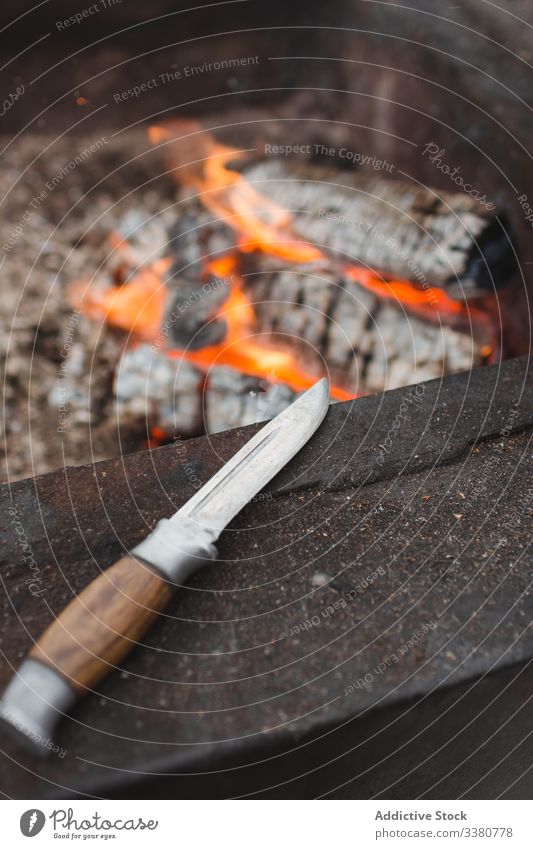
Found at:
(177, 548)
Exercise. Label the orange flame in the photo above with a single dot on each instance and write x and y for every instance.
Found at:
(416, 300)
(240, 350)
(137, 306)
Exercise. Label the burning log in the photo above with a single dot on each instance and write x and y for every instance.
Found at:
(399, 229)
(199, 280)
(370, 334)
(299, 211)
(171, 397)
(233, 399)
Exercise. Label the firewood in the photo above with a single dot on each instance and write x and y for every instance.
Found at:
(157, 391)
(400, 229)
(177, 398)
(368, 343)
(196, 291)
(196, 239)
(190, 321)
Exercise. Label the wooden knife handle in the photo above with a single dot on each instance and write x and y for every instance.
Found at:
(101, 625)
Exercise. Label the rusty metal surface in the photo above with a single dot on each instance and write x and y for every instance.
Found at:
(436, 522)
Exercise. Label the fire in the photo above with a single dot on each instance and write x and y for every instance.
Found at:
(261, 224)
(137, 304)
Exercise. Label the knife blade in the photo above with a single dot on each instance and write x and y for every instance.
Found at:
(101, 625)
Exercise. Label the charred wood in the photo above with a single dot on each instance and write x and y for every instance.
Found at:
(196, 239)
(196, 294)
(396, 228)
(191, 321)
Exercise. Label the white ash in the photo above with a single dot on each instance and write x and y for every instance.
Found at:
(150, 386)
(85, 374)
(145, 233)
(62, 242)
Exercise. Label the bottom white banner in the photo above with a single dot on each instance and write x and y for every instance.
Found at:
(262, 824)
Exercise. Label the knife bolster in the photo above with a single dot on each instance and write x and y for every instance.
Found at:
(177, 548)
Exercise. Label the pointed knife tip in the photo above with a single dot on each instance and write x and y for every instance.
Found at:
(320, 389)
(318, 395)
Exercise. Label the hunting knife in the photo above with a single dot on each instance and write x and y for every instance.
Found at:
(101, 625)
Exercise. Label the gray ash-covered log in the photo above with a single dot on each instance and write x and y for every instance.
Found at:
(160, 392)
(232, 399)
(394, 227)
(368, 343)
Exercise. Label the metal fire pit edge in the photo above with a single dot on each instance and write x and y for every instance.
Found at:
(379, 537)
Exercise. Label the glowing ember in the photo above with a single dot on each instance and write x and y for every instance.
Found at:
(137, 306)
(405, 293)
(158, 436)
